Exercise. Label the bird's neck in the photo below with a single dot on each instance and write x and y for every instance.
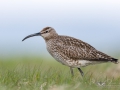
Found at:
(52, 36)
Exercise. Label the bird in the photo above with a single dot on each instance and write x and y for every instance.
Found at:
(70, 51)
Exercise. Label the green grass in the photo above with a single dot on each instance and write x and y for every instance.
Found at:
(40, 74)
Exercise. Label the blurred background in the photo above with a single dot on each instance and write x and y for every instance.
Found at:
(96, 22)
(28, 66)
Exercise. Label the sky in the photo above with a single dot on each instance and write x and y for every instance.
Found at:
(96, 22)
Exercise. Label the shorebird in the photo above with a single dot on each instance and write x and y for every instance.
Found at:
(71, 51)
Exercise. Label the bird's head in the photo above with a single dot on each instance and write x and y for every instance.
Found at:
(46, 33)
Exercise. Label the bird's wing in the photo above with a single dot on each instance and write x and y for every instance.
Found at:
(79, 50)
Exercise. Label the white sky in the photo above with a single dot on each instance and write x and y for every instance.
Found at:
(94, 21)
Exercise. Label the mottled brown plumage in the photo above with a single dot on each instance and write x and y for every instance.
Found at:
(71, 51)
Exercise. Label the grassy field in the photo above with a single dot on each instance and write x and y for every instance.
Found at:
(36, 73)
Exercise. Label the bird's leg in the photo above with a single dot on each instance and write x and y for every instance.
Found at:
(81, 71)
(71, 70)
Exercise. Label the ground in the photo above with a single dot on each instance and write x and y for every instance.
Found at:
(36, 73)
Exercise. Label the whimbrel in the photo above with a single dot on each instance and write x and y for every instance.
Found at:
(71, 51)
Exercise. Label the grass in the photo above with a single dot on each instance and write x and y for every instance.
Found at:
(40, 74)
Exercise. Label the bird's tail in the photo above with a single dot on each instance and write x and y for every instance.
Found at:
(114, 60)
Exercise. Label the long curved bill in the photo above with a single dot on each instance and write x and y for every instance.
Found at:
(32, 35)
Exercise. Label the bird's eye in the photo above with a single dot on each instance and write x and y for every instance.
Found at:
(46, 32)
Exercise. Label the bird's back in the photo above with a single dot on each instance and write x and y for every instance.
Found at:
(64, 48)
